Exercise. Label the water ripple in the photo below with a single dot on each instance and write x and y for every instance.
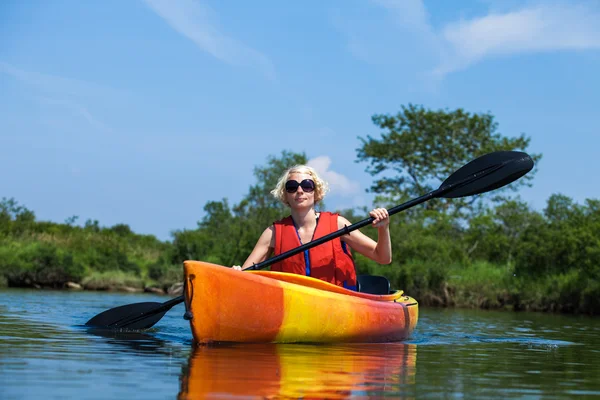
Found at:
(47, 352)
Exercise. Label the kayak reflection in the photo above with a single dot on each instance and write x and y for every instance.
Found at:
(288, 370)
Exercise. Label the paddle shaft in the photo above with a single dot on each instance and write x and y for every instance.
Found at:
(477, 170)
(347, 229)
(167, 305)
(344, 231)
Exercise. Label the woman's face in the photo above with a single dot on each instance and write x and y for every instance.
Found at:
(300, 198)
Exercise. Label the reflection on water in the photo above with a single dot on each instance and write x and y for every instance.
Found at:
(47, 353)
(135, 342)
(299, 371)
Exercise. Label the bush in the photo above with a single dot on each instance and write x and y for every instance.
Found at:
(45, 264)
(568, 292)
(165, 275)
(112, 280)
(481, 285)
(424, 280)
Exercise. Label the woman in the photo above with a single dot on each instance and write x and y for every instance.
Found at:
(301, 188)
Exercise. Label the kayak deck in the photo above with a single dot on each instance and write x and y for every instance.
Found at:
(322, 285)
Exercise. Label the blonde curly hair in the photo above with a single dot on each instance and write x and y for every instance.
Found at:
(321, 187)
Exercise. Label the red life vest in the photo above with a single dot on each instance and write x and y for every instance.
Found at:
(330, 261)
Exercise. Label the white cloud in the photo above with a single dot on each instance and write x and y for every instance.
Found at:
(69, 94)
(541, 27)
(57, 84)
(338, 183)
(194, 20)
(396, 34)
(77, 109)
(409, 13)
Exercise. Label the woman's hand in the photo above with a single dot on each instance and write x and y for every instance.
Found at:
(382, 218)
(237, 267)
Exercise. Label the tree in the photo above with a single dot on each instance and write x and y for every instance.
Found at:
(259, 198)
(122, 229)
(226, 235)
(72, 220)
(11, 209)
(497, 234)
(14, 217)
(420, 148)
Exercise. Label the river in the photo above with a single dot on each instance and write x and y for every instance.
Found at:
(46, 352)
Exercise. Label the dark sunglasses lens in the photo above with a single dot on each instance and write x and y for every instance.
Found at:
(307, 185)
(291, 186)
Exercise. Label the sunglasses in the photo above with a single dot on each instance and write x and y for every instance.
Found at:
(307, 185)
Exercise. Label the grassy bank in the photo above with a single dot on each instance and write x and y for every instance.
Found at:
(510, 257)
(50, 255)
(492, 286)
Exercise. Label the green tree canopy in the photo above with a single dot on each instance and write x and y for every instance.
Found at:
(227, 234)
(259, 198)
(420, 148)
(14, 218)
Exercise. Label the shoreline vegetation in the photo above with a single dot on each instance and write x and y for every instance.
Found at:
(509, 257)
(491, 251)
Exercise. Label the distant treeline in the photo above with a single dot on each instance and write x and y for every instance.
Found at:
(492, 251)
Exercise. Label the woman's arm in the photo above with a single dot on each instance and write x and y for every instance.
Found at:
(262, 249)
(380, 251)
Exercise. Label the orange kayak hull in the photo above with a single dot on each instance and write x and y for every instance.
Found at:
(274, 307)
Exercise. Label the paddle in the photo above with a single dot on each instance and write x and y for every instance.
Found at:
(486, 173)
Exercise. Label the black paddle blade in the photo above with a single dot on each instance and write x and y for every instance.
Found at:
(131, 316)
(486, 173)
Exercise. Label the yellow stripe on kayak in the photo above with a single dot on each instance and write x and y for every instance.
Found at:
(340, 318)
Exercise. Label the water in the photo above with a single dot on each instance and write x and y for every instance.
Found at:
(45, 352)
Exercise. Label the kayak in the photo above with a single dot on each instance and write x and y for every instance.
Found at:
(226, 305)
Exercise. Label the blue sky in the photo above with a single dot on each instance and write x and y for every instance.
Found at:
(141, 111)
